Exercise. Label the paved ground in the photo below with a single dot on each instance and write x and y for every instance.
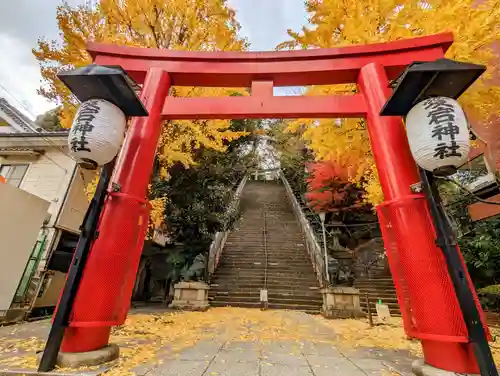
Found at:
(228, 344)
(284, 358)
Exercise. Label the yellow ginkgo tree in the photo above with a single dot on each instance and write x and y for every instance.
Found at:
(476, 28)
(205, 25)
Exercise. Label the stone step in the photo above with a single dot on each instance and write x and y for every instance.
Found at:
(271, 290)
(251, 264)
(273, 220)
(258, 230)
(376, 288)
(378, 295)
(277, 293)
(274, 283)
(307, 300)
(375, 280)
(258, 245)
(388, 301)
(295, 254)
(276, 232)
(273, 270)
(314, 309)
(253, 250)
(251, 242)
(232, 255)
(258, 281)
(242, 275)
(385, 299)
(276, 253)
(225, 287)
(271, 265)
(287, 225)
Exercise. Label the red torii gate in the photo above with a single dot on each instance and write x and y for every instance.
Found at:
(425, 291)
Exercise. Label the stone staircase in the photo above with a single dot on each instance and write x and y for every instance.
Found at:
(379, 288)
(267, 223)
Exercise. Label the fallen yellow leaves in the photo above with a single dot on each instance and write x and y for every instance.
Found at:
(150, 339)
(144, 336)
(390, 336)
(358, 333)
(495, 346)
(23, 352)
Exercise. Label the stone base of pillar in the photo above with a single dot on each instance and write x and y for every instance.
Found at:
(89, 358)
(341, 303)
(191, 296)
(421, 369)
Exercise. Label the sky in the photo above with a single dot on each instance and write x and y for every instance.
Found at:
(264, 23)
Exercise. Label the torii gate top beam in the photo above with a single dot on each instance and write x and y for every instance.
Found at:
(264, 70)
(285, 68)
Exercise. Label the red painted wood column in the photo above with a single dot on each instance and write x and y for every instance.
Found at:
(425, 292)
(104, 295)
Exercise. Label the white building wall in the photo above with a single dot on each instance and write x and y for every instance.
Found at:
(48, 177)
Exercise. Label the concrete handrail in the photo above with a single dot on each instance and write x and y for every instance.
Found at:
(220, 238)
(312, 245)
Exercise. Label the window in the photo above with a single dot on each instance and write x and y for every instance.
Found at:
(14, 174)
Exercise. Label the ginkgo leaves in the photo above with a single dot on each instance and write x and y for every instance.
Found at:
(208, 25)
(476, 30)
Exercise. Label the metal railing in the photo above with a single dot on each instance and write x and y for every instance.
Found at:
(220, 238)
(313, 248)
(265, 249)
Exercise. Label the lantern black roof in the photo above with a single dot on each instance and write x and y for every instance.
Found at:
(422, 80)
(110, 83)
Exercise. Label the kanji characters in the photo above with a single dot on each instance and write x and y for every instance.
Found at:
(442, 117)
(83, 125)
(445, 150)
(450, 129)
(79, 144)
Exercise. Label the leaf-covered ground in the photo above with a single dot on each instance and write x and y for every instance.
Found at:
(157, 337)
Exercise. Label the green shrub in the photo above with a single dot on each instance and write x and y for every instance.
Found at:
(491, 289)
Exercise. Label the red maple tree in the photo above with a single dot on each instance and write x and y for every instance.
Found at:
(329, 188)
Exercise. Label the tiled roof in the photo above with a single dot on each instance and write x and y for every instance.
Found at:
(21, 120)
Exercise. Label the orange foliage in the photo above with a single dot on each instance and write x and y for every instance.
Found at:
(330, 188)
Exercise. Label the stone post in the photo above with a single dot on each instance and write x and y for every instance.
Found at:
(341, 303)
(191, 296)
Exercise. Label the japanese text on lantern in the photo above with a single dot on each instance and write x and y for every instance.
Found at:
(441, 115)
(83, 125)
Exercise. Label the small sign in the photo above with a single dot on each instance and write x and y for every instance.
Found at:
(263, 295)
(383, 312)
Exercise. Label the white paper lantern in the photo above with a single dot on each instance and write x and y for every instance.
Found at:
(97, 133)
(438, 134)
